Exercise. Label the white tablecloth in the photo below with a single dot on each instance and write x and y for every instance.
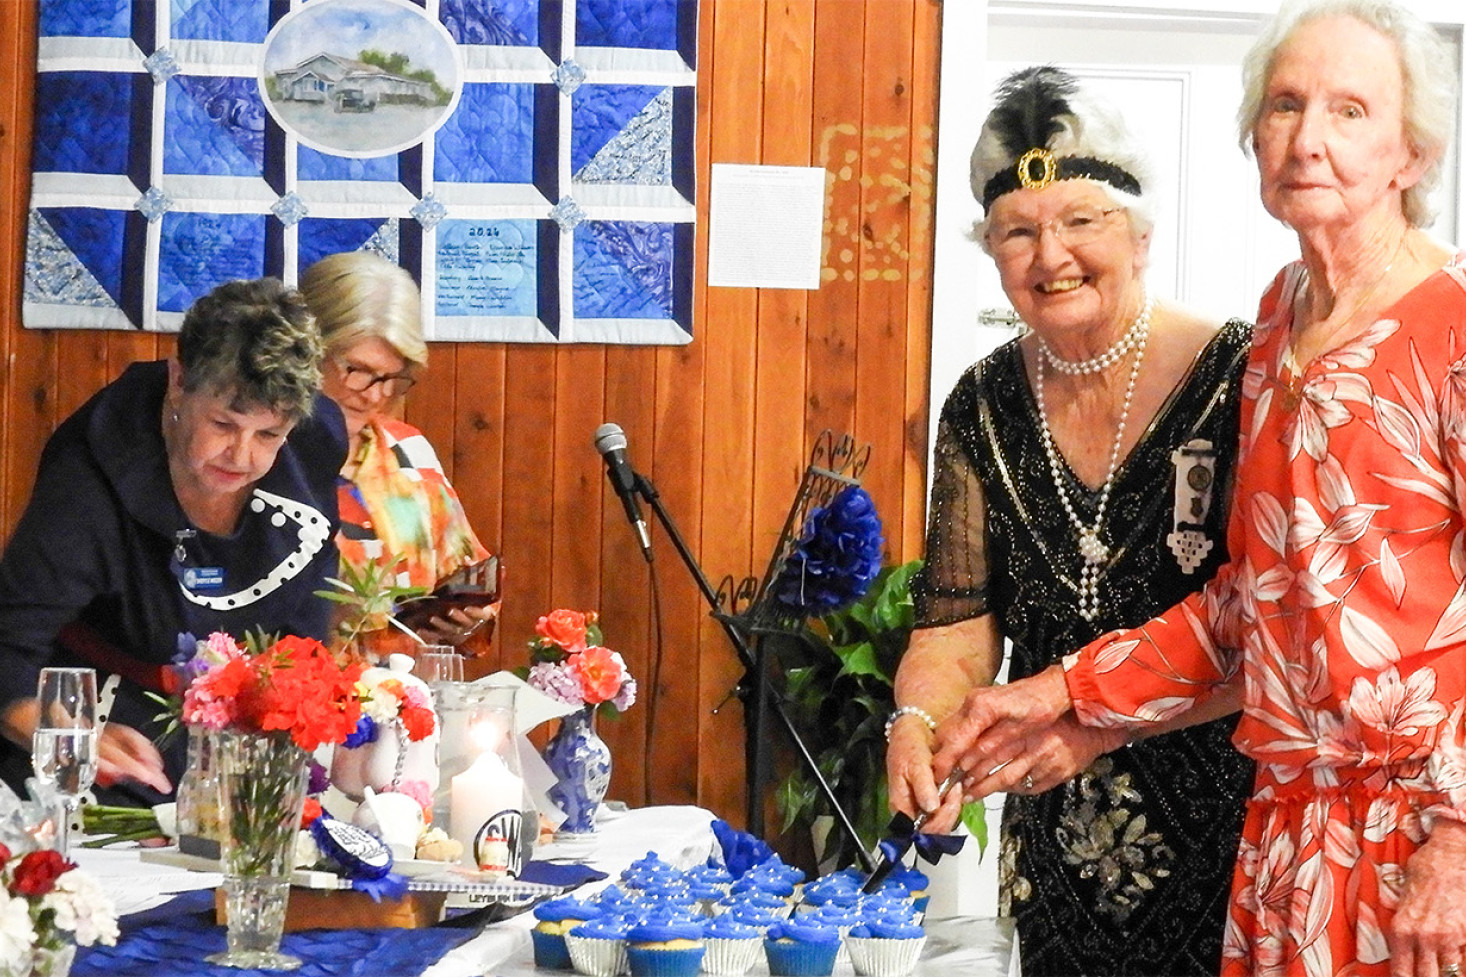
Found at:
(957, 947)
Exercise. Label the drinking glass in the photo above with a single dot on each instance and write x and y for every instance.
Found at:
(437, 664)
(64, 747)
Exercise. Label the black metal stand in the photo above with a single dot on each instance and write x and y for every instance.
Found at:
(761, 700)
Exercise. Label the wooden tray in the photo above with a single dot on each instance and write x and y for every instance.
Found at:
(345, 909)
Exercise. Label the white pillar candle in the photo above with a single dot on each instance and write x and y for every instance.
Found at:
(484, 793)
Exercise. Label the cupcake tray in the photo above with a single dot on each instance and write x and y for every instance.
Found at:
(422, 876)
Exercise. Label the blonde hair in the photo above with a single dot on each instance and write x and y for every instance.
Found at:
(1425, 65)
(358, 295)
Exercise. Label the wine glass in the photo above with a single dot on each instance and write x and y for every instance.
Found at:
(437, 664)
(64, 747)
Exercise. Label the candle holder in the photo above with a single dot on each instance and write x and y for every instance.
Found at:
(481, 796)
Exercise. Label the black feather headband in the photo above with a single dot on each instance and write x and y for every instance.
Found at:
(1025, 119)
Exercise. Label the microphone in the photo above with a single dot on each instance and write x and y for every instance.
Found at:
(611, 443)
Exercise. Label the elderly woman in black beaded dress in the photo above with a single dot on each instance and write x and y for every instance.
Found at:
(1080, 485)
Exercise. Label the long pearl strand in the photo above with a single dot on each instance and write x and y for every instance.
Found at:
(1105, 360)
(1091, 547)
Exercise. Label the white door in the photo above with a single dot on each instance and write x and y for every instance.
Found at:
(1174, 72)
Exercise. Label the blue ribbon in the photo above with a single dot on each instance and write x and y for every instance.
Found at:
(930, 847)
(390, 886)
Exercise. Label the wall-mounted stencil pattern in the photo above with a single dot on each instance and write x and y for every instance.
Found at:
(531, 162)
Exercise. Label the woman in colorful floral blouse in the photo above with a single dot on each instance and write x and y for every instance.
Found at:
(397, 507)
(1342, 612)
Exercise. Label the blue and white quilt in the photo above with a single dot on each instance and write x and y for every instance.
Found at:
(531, 162)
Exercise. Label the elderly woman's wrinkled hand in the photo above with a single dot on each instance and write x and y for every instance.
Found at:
(1428, 933)
(1047, 758)
(912, 788)
(460, 624)
(995, 724)
(123, 753)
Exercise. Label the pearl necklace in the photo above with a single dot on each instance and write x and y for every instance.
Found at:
(1091, 548)
(1105, 360)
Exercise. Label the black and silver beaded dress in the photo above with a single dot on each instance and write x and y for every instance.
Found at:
(1126, 868)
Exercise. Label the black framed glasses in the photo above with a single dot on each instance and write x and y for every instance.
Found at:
(359, 379)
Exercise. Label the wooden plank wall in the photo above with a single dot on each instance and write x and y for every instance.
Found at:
(722, 426)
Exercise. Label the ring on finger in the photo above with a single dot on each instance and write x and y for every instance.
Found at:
(1028, 785)
(1450, 970)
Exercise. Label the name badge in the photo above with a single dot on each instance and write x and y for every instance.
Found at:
(203, 578)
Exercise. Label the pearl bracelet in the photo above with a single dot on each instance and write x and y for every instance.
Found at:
(916, 711)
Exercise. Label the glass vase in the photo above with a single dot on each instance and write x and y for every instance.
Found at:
(581, 762)
(198, 795)
(262, 793)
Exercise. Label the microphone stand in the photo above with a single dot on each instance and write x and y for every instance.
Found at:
(762, 698)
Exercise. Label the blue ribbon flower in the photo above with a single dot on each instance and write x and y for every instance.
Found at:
(741, 850)
(365, 732)
(837, 558)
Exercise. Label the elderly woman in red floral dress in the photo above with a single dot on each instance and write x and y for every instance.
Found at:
(1343, 609)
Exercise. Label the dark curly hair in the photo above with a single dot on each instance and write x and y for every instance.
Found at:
(257, 341)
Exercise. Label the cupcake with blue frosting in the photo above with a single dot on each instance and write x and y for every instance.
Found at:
(758, 917)
(556, 918)
(760, 899)
(732, 947)
(597, 948)
(886, 948)
(667, 947)
(915, 882)
(801, 947)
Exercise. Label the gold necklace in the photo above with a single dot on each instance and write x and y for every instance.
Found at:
(1293, 389)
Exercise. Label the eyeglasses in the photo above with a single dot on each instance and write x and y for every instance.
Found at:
(1073, 228)
(359, 379)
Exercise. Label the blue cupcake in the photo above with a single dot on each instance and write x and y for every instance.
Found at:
(801, 947)
(886, 948)
(669, 947)
(766, 901)
(732, 947)
(915, 882)
(598, 948)
(556, 918)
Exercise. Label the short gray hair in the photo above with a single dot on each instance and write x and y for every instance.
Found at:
(256, 342)
(1425, 64)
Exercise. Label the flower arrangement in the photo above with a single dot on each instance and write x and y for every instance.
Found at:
(289, 684)
(386, 700)
(47, 904)
(569, 664)
(837, 558)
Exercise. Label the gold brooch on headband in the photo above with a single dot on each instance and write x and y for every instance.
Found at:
(1048, 169)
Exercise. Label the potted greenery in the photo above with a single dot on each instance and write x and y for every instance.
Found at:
(837, 686)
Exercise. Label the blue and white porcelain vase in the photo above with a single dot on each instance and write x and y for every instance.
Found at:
(581, 761)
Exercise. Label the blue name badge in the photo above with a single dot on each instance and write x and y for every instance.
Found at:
(203, 578)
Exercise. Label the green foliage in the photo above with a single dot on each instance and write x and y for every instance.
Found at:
(368, 595)
(837, 686)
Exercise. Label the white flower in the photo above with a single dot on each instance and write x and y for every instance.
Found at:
(307, 852)
(83, 909)
(17, 935)
(382, 707)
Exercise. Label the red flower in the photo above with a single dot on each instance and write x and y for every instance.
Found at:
(564, 628)
(37, 873)
(417, 721)
(4, 855)
(599, 673)
(311, 813)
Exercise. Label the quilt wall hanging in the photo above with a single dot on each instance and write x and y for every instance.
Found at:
(531, 162)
